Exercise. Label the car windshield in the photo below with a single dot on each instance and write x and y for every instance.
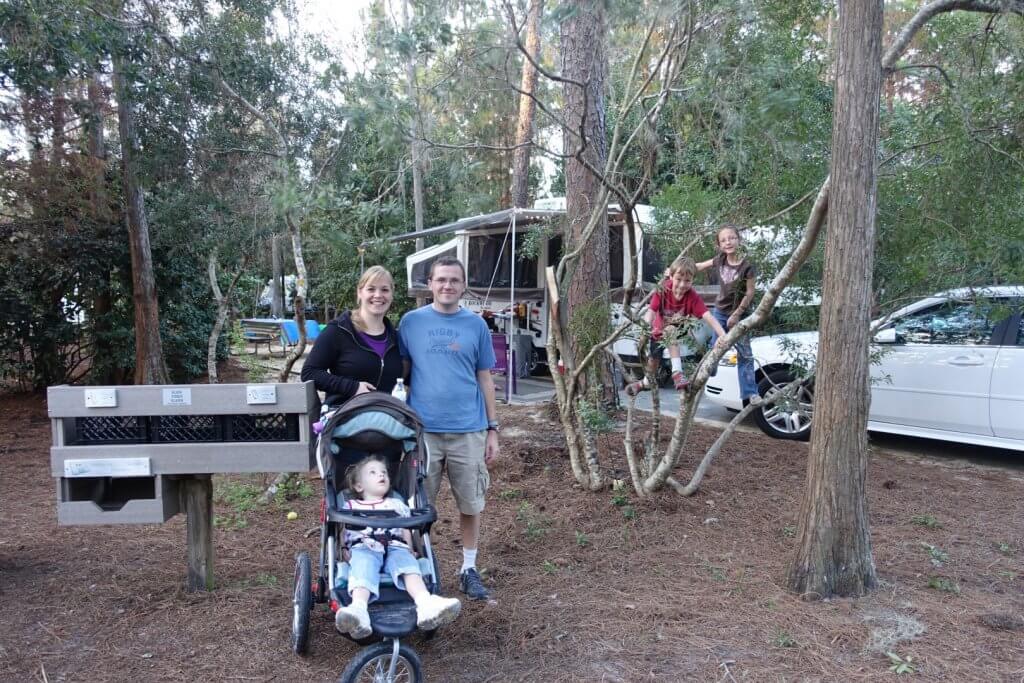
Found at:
(954, 322)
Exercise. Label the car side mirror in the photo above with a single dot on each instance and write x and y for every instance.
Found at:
(886, 336)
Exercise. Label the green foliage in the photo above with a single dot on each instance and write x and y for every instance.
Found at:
(937, 556)
(240, 496)
(749, 136)
(900, 665)
(943, 584)
(582, 540)
(510, 494)
(232, 522)
(593, 416)
(549, 567)
(783, 639)
(927, 521)
(535, 524)
(292, 488)
(717, 573)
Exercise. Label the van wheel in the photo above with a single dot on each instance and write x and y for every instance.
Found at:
(791, 417)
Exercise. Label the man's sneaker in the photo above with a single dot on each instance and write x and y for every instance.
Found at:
(433, 611)
(680, 380)
(635, 388)
(353, 620)
(472, 585)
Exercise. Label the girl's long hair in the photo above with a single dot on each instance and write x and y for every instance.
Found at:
(369, 275)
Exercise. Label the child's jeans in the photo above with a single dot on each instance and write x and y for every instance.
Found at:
(744, 357)
(365, 565)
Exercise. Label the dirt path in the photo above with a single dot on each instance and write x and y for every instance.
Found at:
(589, 586)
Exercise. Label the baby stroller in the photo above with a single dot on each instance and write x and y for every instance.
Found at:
(371, 423)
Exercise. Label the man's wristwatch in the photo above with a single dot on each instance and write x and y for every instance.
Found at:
(493, 426)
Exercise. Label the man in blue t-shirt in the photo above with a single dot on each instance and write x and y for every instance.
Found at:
(448, 351)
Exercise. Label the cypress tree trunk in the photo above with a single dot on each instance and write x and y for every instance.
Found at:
(584, 60)
(149, 355)
(527, 109)
(834, 550)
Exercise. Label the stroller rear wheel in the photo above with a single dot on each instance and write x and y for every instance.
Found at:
(373, 665)
(302, 603)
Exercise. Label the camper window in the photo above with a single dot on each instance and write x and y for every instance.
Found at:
(421, 271)
(653, 263)
(616, 255)
(486, 271)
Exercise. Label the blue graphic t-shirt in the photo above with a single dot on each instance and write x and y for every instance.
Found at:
(446, 350)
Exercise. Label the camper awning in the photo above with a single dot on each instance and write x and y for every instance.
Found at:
(490, 220)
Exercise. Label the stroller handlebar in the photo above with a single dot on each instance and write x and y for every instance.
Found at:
(384, 519)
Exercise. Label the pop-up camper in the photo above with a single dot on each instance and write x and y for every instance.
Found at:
(507, 287)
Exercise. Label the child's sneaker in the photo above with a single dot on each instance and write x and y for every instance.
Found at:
(635, 388)
(353, 620)
(433, 611)
(680, 380)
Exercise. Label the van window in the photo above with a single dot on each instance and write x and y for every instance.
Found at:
(421, 270)
(485, 269)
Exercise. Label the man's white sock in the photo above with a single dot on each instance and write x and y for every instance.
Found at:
(468, 559)
(677, 364)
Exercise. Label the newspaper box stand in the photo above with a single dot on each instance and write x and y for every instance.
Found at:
(141, 454)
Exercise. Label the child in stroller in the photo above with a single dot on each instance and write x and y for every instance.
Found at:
(373, 460)
(372, 549)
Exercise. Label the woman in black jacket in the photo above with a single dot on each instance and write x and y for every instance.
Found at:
(358, 351)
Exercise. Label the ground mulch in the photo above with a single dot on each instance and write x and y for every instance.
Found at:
(588, 586)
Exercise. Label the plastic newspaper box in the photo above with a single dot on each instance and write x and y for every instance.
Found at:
(120, 454)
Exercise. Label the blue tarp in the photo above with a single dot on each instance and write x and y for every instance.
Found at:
(291, 331)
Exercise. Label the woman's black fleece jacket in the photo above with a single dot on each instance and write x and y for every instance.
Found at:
(340, 360)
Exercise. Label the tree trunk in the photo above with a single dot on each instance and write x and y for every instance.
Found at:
(277, 275)
(299, 302)
(527, 109)
(416, 149)
(149, 357)
(834, 549)
(584, 61)
(100, 210)
(218, 323)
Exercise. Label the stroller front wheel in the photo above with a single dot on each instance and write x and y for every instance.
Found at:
(302, 603)
(373, 665)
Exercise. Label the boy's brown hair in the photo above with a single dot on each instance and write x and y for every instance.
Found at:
(352, 473)
(684, 265)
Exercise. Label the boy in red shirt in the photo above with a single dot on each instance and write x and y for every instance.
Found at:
(675, 299)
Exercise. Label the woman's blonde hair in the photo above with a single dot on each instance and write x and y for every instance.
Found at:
(369, 275)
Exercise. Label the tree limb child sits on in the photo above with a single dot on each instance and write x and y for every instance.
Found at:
(675, 299)
(371, 549)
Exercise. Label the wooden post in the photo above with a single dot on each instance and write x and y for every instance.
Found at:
(197, 502)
